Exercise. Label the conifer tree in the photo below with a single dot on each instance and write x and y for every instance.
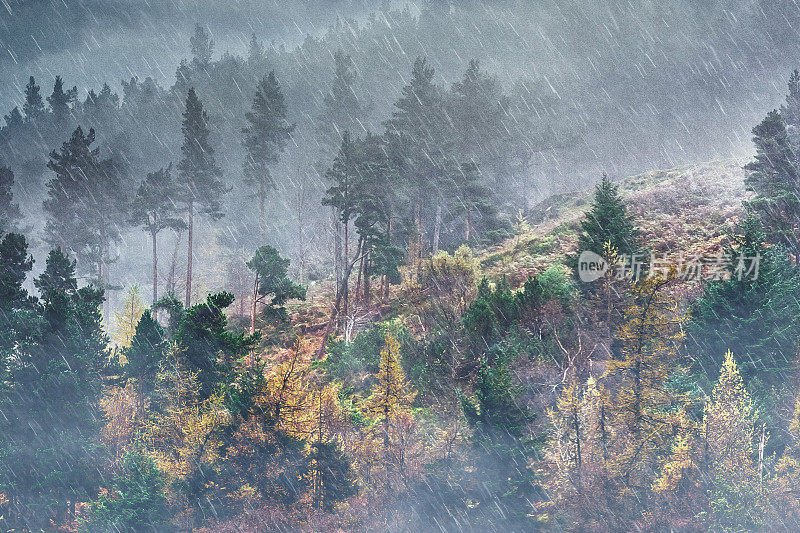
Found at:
(265, 137)
(608, 221)
(775, 179)
(154, 209)
(202, 46)
(343, 111)
(143, 359)
(419, 143)
(85, 205)
(33, 108)
(200, 184)
(755, 310)
(9, 211)
(14, 119)
(61, 101)
(137, 501)
(648, 339)
(51, 416)
(271, 282)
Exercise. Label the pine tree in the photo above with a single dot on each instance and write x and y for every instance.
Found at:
(202, 46)
(754, 311)
(52, 420)
(790, 111)
(14, 119)
(479, 110)
(33, 106)
(154, 209)
(775, 179)
(85, 205)
(608, 221)
(200, 184)
(9, 211)
(265, 137)
(419, 143)
(61, 101)
(143, 359)
(343, 111)
(271, 282)
(472, 203)
(137, 501)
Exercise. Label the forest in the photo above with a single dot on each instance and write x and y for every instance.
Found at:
(380, 280)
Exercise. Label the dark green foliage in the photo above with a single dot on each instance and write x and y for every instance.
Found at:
(474, 209)
(48, 450)
(343, 112)
(136, 503)
(270, 269)
(492, 312)
(334, 474)
(85, 204)
(146, 353)
(61, 101)
(266, 134)
(9, 211)
(608, 221)
(774, 177)
(757, 319)
(153, 208)
(207, 346)
(33, 106)
(199, 185)
(14, 119)
(202, 46)
(497, 409)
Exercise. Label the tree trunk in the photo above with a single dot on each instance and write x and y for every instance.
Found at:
(335, 308)
(345, 284)
(189, 261)
(262, 221)
(468, 228)
(360, 272)
(366, 281)
(253, 309)
(155, 266)
(437, 228)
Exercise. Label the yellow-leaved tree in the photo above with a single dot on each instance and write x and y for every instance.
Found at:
(389, 406)
(125, 321)
(650, 338)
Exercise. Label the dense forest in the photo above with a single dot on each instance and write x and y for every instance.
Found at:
(364, 283)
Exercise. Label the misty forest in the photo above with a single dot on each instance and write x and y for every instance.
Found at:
(349, 265)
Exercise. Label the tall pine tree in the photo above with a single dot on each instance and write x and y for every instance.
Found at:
(200, 184)
(265, 137)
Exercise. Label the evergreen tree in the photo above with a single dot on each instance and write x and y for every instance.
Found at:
(14, 119)
(479, 110)
(200, 184)
(343, 111)
(51, 418)
(85, 205)
(202, 47)
(9, 211)
(61, 101)
(755, 310)
(206, 347)
(790, 111)
(472, 203)
(265, 137)
(136, 503)
(271, 282)
(33, 106)
(419, 143)
(154, 209)
(775, 179)
(608, 221)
